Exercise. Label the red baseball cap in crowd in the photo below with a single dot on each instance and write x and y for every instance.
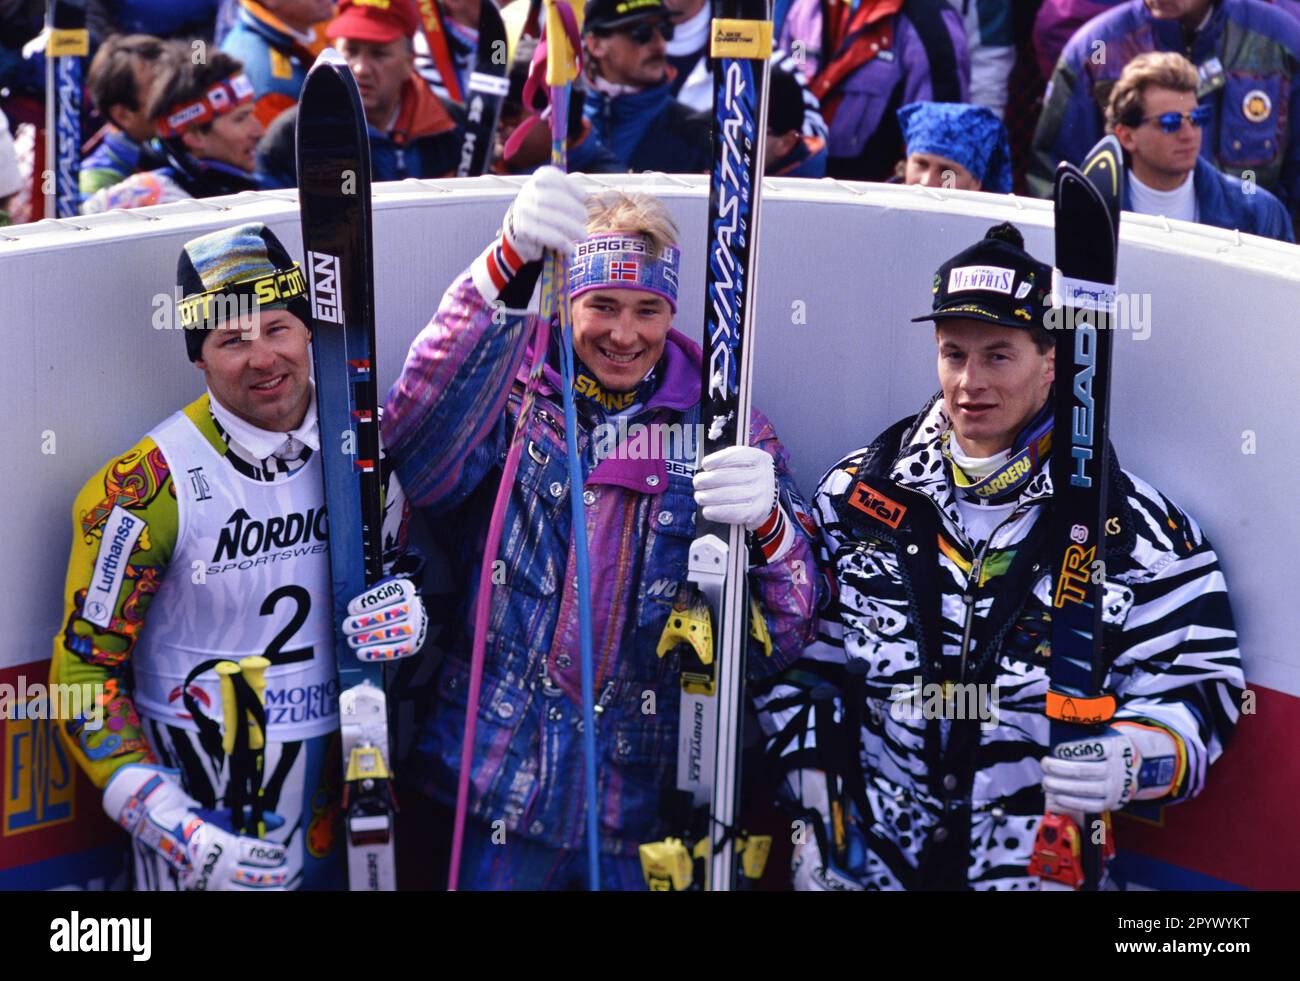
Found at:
(376, 21)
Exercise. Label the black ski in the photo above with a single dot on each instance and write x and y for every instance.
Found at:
(334, 198)
(710, 621)
(488, 86)
(1087, 247)
(65, 54)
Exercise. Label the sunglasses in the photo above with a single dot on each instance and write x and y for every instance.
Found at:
(642, 33)
(1172, 122)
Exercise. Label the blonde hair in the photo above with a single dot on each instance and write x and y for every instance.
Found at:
(631, 214)
(1158, 69)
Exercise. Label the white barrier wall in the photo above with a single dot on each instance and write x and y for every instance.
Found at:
(1202, 399)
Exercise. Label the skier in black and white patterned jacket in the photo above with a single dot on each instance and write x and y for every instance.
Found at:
(934, 537)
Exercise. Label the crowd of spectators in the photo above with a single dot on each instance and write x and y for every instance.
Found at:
(194, 98)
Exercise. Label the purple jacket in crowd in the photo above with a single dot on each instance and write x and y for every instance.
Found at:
(927, 60)
(1249, 57)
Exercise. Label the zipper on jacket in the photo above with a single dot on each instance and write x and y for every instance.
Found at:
(972, 587)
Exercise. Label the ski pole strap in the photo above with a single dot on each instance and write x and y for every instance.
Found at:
(536, 83)
(210, 731)
(1080, 709)
(854, 708)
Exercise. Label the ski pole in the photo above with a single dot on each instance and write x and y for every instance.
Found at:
(562, 65)
(253, 670)
(227, 671)
(568, 27)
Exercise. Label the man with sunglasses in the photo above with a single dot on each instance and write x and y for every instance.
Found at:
(1247, 60)
(1154, 114)
(630, 96)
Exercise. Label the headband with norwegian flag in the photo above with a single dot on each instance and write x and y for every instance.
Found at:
(619, 261)
(223, 97)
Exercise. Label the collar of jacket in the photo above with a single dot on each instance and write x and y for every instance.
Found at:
(114, 141)
(905, 452)
(1169, 33)
(679, 391)
(277, 33)
(794, 163)
(622, 121)
(421, 114)
(869, 31)
(205, 178)
(1205, 184)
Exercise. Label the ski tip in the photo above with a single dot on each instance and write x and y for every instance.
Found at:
(330, 57)
(1104, 166)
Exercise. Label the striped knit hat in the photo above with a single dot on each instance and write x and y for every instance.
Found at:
(235, 273)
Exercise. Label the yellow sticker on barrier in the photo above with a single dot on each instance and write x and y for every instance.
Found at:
(69, 42)
(740, 38)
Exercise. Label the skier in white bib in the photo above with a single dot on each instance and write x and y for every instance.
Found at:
(197, 553)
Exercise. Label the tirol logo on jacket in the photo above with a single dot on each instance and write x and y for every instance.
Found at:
(244, 535)
(871, 502)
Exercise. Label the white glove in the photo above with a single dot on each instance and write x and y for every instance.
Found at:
(550, 212)
(387, 621)
(809, 872)
(736, 486)
(199, 845)
(1103, 773)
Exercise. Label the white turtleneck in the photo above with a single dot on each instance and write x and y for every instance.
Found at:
(692, 34)
(978, 517)
(261, 444)
(1180, 203)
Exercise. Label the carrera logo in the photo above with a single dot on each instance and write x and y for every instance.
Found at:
(871, 502)
(325, 276)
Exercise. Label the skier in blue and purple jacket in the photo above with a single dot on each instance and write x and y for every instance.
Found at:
(448, 421)
(1247, 56)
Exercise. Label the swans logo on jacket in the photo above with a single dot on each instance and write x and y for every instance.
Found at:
(245, 541)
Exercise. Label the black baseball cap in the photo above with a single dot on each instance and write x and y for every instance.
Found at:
(610, 15)
(995, 280)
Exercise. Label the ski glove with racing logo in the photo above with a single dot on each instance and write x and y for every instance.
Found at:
(388, 621)
(1129, 761)
(737, 486)
(550, 212)
(811, 870)
(200, 845)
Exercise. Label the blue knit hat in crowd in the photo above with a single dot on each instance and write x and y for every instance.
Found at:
(972, 136)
